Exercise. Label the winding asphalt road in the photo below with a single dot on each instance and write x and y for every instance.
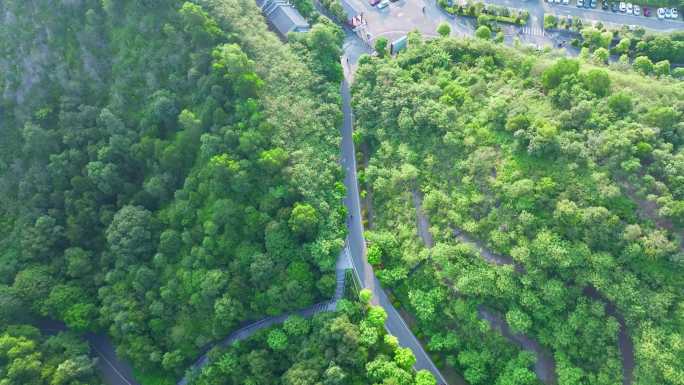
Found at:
(113, 371)
(343, 263)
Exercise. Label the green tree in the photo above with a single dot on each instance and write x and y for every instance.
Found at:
(601, 55)
(662, 68)
(304, 220)
(444, 29)
(130, 235)
(423, 377)
(518, 320)
(381, 45)
(554, 74)
(623, 46)
(597, 82)
(277, 340)
(643, 64)
(376, 317)
(483, 32)
(620, 103)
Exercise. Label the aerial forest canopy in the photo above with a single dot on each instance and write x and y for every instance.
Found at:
(168, 171)
(549, 198)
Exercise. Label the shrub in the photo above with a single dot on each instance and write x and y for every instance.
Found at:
(643, 65)
(483, 32)
(620, 103)
(662, 68)
(550, 22)
(553, 75)
(444, 29)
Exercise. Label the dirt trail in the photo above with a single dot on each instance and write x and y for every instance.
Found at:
(649, 210)
(545, 366)
(422, 221)
(624, 342)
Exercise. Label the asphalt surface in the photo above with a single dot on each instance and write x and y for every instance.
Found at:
(403, 16)
(113, 371)
(343, 263)
(608, 17)
(395, 325)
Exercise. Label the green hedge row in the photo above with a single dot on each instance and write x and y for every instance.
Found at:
(493, 12)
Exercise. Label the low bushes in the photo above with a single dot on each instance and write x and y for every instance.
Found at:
(492, 12)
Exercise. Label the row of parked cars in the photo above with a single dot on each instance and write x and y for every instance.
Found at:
(627, 8)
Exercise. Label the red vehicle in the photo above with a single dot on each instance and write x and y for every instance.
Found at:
(373, 3)
(647, 12)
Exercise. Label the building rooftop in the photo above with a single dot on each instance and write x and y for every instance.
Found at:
(283, 16)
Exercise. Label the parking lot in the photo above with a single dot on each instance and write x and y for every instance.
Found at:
(402, 16)
(616, 17)
(538, 8)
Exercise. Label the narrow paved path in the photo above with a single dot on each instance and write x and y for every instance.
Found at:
(113, 371)
(343, 263)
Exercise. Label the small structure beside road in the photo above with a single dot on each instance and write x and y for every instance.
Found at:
(283, 16)
(355, 20)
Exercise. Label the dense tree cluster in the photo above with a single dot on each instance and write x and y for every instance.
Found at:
(167, 170)
(346, 347)
(570, 173)
(29, 358)
(656, 54)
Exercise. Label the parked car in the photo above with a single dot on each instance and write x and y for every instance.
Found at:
(373, 3)
(383, 4)
(604, 5)
(566, 2)
(647, 12)
(587, 3)
(623, 7)
(668, 13)
(614, 7)
(661, 13)
(675, 13)
(580, 3)
(637, 10)
(630, 8)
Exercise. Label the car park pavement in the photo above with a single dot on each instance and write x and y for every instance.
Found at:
(614, 18)
(537, 9)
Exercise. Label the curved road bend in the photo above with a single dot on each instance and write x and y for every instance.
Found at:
(247, 331)
(113, 371)
(395, 325)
